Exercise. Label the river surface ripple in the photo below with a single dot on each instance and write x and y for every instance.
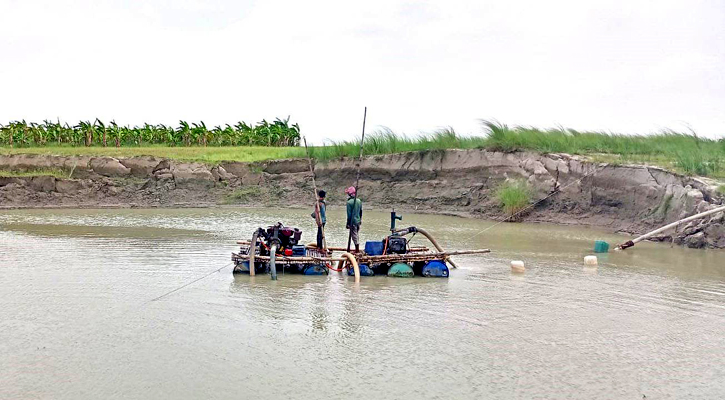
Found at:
(77, 322)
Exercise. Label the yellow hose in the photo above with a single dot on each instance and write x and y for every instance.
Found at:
(351, 259)
(252, 249)
(436, 245)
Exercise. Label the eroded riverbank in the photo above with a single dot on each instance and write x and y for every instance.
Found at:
(619, 198)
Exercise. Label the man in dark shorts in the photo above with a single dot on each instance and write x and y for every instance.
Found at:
(354, 216)
(320, 216)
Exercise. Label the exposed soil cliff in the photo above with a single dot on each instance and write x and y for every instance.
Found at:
(616, 197)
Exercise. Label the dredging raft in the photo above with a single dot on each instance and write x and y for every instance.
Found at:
(277, 248)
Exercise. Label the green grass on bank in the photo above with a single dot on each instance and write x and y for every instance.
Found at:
(685, 153)
(210, 155)
(387, 142)
(513, 196)
(58, 173)
(688, 154)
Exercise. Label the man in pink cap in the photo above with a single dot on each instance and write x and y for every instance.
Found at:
(354, 216)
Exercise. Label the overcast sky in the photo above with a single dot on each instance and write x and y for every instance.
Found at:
(630, 66)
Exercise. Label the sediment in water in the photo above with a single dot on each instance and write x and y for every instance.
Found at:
(624, 198)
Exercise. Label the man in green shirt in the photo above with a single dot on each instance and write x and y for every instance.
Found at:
(354, 216)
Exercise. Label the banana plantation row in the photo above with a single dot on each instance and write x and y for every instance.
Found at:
(86, 133)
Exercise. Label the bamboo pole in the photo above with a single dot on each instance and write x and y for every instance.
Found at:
(422, 256)
(318, 217)
(631, 243)
(357, 179)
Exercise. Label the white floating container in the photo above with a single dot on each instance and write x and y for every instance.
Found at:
(590, 260)
(518, 267)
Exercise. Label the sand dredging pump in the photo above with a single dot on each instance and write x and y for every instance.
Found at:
(278, 248)
(278, 241)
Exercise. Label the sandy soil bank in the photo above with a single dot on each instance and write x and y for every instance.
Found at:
(624, 198)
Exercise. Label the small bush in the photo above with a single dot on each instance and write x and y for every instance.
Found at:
(244, 194)
(513, 196)
(721, 189)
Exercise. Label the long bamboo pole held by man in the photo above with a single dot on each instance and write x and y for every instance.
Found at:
(357, 179)
(318, 217)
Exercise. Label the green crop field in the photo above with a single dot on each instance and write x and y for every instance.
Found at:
(97, 133)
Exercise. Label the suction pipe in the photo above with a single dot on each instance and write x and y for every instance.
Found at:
(425, 233)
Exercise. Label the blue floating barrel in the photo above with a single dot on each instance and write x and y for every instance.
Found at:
(374, 248)
(296, 268)
(315, 269)
(364, 270)
(600, 246)
(241, 268)
(435, 268)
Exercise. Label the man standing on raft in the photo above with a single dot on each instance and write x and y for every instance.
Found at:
(320, 217)
(354, 216)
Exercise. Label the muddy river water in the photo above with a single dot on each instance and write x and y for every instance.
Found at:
(76, 320)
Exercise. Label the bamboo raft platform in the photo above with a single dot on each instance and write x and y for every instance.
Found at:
(276, 247)
(362, 258)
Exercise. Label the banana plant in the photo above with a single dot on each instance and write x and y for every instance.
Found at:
(85, 128)
(6, 135)
(199, 133)
(101, 131)
(167, 135)
(278, 133)
(148, 133)
(184, 132)
(115, 132)
(19, 133)
(230, 136)
(245, 133)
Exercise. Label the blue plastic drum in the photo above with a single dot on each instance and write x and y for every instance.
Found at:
(435, 268)
(315, 269)
(364, 271)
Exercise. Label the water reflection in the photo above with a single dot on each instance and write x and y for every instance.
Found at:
(79, 281)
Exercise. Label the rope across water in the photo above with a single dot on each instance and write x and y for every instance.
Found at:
(556, 191)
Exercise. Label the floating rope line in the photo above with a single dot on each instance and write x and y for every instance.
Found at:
(530, 206)
(187, 284)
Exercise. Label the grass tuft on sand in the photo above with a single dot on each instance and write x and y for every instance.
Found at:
(513, 196)
(243, 195)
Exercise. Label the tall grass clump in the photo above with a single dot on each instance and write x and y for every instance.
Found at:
(385, 141)
(686, 153)
(513, 196)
